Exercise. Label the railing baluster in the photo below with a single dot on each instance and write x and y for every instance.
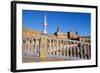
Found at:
(57, 48)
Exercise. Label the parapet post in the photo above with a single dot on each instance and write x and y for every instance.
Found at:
(43, 46)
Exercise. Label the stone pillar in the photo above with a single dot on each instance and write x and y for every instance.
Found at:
(50, 43)
(35, 49)
(56, 47)
(81, 51)
(24, 49)
(64, 48)
(85, 51)
(78, 50)
(30, 41)
(67, 48)
(74, 45)
(43, 46)
(50, 46)
(71, 50)
(31, 51)
(33, 46)
(60, 48)
(28, 47)
(58, 52)
(38, 47)
(53, 48)
(89, 52)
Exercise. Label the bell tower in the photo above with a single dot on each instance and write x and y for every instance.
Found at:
(44, 24)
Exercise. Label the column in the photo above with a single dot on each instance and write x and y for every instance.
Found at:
(81, 50)
(59, 50)
(28, 47)
(24, 50)
(74, 45)
(31, 51)
(50, 43)
(34, 47)
(71, 49)
(78, 50)
(43, 46)
(89, 51)
(64, 48)
(67, 48)
(85, 51)
(38, 47)
(56, 47)
(53, 48)
(50, 47)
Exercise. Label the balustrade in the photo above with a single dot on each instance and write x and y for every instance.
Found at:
(57, 48)
(31, 47)
(70, 48)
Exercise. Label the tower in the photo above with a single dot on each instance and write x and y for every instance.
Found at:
(76, 32)
(58, 29)
(44, 24)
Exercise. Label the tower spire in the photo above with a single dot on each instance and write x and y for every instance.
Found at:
(44, 24)
(58, 29)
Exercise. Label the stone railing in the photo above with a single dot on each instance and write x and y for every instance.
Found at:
(46, 47)
(31, 47)
(69, 48)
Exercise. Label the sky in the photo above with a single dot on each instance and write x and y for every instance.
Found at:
(66, 21)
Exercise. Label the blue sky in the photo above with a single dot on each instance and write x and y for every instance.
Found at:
(67, 21)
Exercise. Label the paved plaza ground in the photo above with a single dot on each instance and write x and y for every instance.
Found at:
(38, 59)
